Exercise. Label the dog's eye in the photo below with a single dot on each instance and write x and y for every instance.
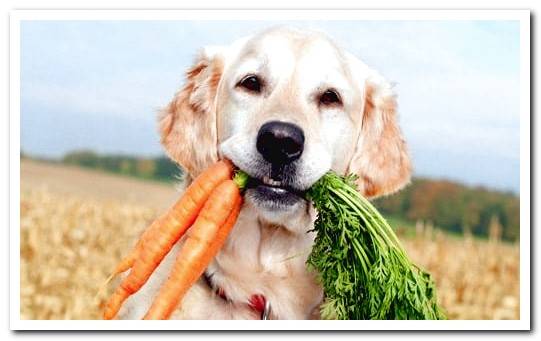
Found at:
(329, 97)
(251, 83)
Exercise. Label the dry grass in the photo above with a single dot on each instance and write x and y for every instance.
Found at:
(68, 247)
(70, 243)
(476, 279)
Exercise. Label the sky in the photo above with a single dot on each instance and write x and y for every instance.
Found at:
(98, 85)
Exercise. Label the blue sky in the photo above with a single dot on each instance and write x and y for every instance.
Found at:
(98, 85)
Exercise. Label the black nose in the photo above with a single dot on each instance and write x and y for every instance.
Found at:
(280, 142)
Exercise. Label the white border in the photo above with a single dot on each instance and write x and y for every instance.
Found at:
(525, 225)
(521, 15)
(264, 15)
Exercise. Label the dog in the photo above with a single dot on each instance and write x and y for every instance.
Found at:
(285, 105)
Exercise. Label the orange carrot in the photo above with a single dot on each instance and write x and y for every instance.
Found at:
(160, 237)
(203, 242)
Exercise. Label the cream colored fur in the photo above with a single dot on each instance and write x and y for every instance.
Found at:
(210, 118)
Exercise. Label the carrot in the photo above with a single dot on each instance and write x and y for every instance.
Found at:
(160, 237)
(203, 242)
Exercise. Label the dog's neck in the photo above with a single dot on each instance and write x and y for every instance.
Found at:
(266, 258)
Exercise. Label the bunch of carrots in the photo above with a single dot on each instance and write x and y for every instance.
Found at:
(207, 212)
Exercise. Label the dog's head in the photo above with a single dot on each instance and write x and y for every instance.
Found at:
(286, 106)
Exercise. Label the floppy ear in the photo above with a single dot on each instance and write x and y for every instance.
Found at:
(381, 158)
(187, 125)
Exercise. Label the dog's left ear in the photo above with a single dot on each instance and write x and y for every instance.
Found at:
(381, 158)
(187, 125)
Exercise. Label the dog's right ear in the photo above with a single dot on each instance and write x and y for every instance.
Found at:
(187, 125)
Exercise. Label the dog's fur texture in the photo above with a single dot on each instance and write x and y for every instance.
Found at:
(211, 118)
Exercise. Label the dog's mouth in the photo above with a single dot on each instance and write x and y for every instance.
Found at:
(272, 193)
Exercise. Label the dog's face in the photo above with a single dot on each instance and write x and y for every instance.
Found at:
(286, 106)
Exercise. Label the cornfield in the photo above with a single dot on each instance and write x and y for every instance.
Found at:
(70, 244)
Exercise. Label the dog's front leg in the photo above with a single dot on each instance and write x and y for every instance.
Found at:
(199, 303)
(138, 304)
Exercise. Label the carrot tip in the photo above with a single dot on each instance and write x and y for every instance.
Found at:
(102, 287)
(115, 302)
(123, 266)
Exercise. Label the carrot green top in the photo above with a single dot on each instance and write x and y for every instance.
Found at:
(362, 266)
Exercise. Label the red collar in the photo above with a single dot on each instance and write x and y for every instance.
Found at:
(257, 302)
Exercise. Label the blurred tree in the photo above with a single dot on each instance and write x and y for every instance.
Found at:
(126, 167)
(145, 168)
(84, 158)
(455, 207)
(166, 169)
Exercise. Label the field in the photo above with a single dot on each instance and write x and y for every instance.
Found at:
(76, 224)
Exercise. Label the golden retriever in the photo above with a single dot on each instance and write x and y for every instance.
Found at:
(285, 106)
